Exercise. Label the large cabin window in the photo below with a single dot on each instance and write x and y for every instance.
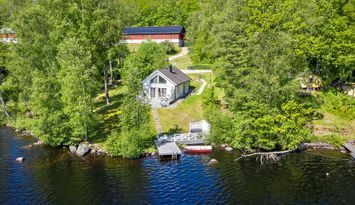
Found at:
(162, 80)
(152, 92)
(154, 80)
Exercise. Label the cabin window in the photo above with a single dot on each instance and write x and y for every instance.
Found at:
(152, 92)
(162, 92)
(162, 80)
(154, 80)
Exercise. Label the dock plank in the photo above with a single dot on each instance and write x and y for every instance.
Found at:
(350, 147)
(168, 149)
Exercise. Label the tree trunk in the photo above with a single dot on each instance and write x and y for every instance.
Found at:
(111, 72)
(85, 107)
(4, 107)
(106, 86)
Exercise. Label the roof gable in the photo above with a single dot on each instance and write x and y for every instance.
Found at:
(176, 76)
(154, 30)
(155, 74)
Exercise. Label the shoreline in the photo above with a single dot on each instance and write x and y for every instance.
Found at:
(88, 148)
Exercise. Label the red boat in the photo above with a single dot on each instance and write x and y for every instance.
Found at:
(198, 149)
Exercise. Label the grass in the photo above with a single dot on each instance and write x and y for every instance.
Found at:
(178, 119)
(182, 62)
(135, 46)
(108, 115)
(332, 124)
(332, 128)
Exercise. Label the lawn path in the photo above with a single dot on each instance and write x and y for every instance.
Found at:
(184, 51)
(204, 83)
(157, 121)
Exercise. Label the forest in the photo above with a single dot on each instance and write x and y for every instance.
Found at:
(69, 54)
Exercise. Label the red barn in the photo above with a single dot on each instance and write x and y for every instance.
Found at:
(7, 35)
(174, 34)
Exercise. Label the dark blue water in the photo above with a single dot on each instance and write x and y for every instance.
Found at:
(52, 176)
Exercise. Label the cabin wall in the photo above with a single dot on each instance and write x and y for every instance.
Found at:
(187, 87)
(169, 86)
(180, 91)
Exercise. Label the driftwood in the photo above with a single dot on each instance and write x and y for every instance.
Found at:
(266, 156)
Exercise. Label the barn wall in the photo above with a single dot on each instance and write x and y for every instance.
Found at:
(158, 38)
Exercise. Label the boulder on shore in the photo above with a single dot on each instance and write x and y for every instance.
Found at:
(20, 159)
(27, 133)
(316, 145)
(82, 150)
(212, 162)
(224, 145)
(229, 149)
(38, 143)
(72, 149)
(100, 152)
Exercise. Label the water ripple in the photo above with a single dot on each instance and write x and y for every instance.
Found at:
(52, 176)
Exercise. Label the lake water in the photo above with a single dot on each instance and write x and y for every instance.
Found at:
(52, 176)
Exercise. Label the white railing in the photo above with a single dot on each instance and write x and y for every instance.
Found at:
(181, 137)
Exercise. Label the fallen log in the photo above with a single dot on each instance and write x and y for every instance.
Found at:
(266, 155)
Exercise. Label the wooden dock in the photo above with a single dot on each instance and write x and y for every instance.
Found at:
(168, 149)
(351, 147)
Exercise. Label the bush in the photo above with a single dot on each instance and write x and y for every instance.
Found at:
(136, 132)
(202, 66)
(333, 139)
(339, 104)
(170, 47)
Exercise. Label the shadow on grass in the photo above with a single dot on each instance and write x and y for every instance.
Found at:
(108, 116)
(175, 130)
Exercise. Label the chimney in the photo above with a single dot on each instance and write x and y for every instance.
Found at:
(170, 68)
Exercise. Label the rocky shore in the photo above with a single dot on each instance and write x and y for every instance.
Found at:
(86, 148)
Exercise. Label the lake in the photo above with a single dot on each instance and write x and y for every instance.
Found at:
(53, 176)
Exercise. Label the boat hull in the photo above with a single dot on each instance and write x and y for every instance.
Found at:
(198, 149)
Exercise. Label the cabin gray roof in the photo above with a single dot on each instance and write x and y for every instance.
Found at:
(154, 30)
(175, 75)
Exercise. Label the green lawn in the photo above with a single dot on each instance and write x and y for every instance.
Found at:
(108, 115)
(332, 124)
(333, 127)
(178, 119)
(133, 47)
(182, 62)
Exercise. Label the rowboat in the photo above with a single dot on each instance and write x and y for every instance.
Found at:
(198, 149)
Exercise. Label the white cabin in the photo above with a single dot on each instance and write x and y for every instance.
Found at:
(166, 85)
